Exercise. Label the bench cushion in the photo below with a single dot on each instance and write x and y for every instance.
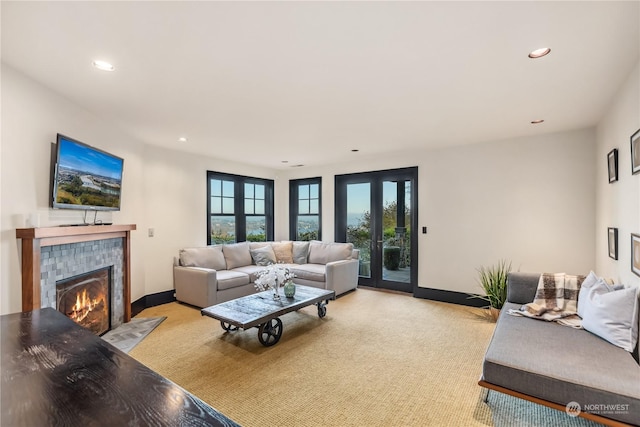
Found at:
(561, 364)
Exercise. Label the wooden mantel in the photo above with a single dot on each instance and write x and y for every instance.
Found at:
(35, 238)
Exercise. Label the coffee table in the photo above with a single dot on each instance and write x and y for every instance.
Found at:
(262, 311)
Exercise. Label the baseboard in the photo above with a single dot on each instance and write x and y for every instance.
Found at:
(453, 297)
(152, 300)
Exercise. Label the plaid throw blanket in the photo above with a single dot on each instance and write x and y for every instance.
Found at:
(556, 300)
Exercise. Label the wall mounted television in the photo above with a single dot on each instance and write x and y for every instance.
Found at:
(85, 178)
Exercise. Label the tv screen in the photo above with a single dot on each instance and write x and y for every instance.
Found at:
(86, 178)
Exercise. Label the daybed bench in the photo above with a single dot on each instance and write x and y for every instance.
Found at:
(556, 365)
(210, 275)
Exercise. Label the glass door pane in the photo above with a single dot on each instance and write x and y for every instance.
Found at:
(396, 236)
(359, 223)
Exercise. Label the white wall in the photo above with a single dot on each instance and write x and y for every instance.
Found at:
(529, 200)
(618, 204)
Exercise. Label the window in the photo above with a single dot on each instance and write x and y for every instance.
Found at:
(239, 208)
(304, 209)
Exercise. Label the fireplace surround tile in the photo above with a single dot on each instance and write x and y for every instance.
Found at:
(60, 262)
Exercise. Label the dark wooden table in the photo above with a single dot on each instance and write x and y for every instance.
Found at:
(54, 372)
(261, 310)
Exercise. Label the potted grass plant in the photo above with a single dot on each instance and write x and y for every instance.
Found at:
(493, 281)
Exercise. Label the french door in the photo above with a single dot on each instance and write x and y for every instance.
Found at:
(376, 211)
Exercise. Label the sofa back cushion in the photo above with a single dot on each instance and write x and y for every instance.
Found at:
(283, 251)
(300, 252)
(322, 253)
(207, 257)
(237, 254)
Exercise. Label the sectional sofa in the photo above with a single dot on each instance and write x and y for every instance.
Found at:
(206, 276)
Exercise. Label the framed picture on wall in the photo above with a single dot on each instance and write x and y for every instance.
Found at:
(613, 242)
(635, 253)
(635, 152)
(612, 161)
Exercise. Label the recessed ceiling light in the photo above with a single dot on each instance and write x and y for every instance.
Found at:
(285, 161)
(539, 53)
(182, 139)
(535, 122)
(103, 65)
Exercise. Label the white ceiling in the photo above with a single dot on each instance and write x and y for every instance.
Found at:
(307, 82)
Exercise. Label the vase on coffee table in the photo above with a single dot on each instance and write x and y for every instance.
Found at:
(289, 289)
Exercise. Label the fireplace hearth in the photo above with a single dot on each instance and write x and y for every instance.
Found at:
(86, 299)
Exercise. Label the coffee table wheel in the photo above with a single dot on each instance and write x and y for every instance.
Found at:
(269, 333)
(228, 326)
(322, 310)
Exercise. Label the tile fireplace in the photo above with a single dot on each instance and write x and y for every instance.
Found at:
(55, 254)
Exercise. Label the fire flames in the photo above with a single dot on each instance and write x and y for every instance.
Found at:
(83, 306)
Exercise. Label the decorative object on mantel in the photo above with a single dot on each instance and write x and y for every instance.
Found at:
(635, 254)
(493, 281)
(612, 165)
(635, 152)
(273, 277)
(613, 242)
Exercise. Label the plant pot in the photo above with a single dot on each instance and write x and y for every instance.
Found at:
(494, 312)
(391, 257)
(365, 268)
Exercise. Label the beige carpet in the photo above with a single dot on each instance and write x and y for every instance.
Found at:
(376, 359)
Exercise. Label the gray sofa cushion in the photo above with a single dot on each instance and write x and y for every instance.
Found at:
(207, 257)
(237, 254)
(300, 252)
(323, 253)
(228, 279)
(315, 272)
(263, 256)
(250, 270)
(561, 364)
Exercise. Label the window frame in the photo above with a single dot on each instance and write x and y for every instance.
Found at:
(294, 200)
(239, 204)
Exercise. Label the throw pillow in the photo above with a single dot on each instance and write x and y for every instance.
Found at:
(613, 316)
(590, 281)
(207, 257)
(237, 254)
(263, 256)
(283, 251)
(300, 252)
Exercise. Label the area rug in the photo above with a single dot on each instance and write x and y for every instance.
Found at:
(377, 359)
(126, 336)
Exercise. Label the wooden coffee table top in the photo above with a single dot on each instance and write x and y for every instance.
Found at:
(55, 372)
(256, 309)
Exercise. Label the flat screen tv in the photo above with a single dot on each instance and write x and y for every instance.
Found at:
(86, 178)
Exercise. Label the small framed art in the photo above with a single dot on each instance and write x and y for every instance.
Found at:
(613, 242)
(635, 253)
(635, 152)
(612, 161)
